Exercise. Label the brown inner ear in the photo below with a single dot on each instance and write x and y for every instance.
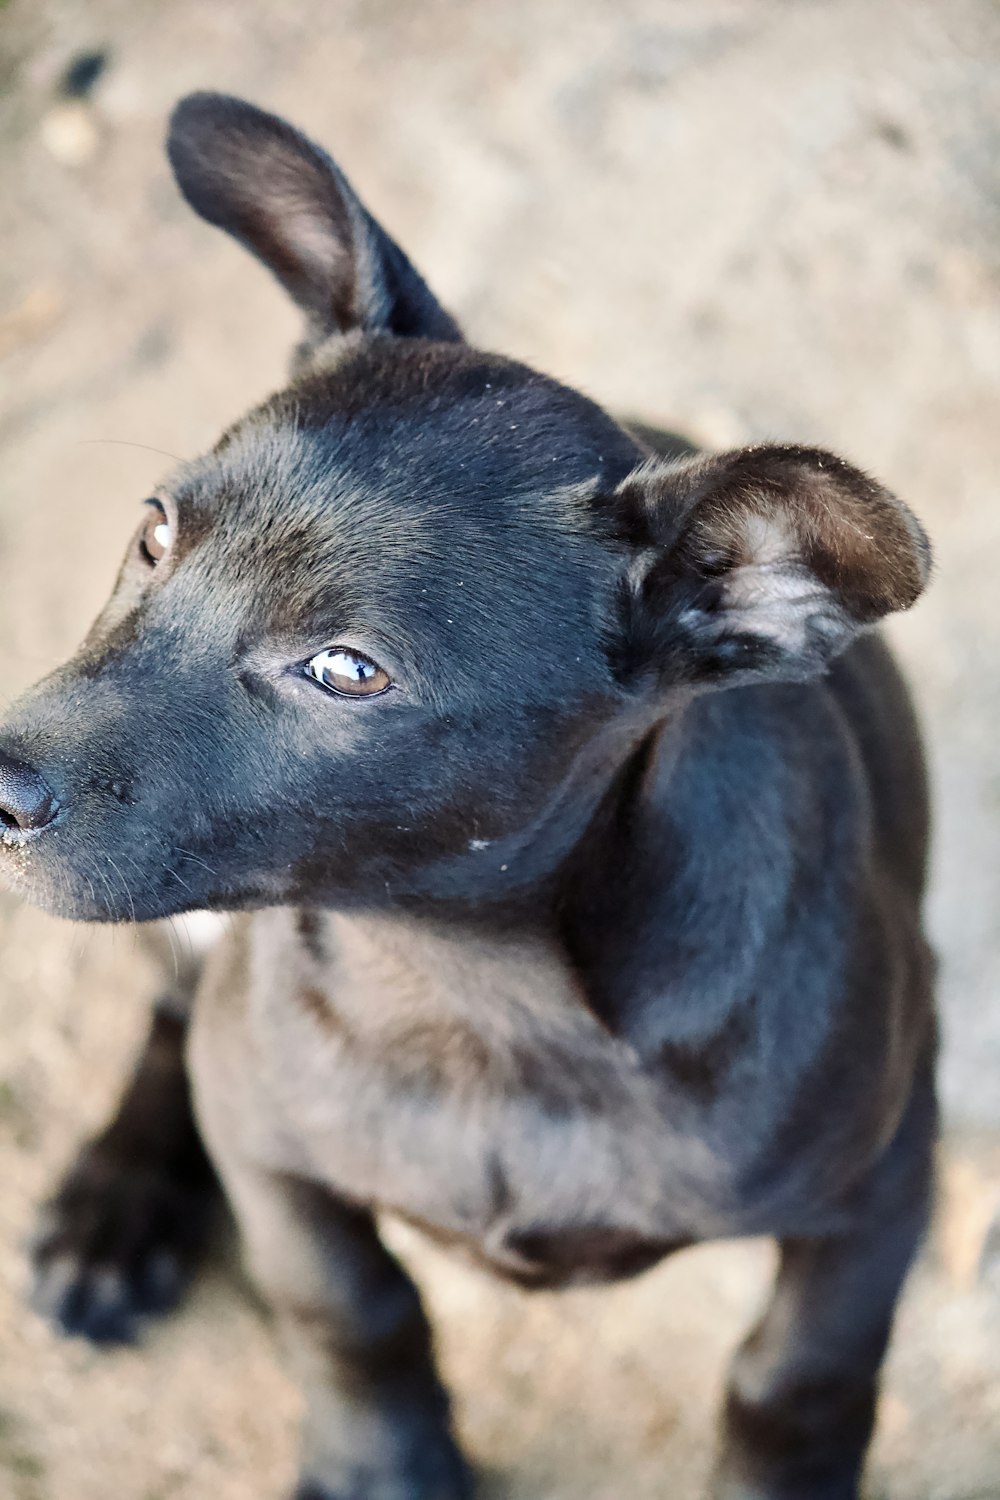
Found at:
(303, 232)
(253, 175)
(785, 506)
(860, 540)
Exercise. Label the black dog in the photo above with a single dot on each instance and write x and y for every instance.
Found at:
(584, 841)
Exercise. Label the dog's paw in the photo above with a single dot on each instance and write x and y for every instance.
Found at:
(439, 1472)
(117, 1243)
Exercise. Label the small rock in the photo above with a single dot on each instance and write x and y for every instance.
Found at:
(69, 133)
(895, 1418)
(989, 1257)
(82, 73)
(716, 426)
(969, 1223)
(31, 318)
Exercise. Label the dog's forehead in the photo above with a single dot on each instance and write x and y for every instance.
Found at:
(424, 428)
(398, 457)
(404, 487)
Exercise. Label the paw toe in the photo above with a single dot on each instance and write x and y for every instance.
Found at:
(438, 1474)
(114, 1247)
(91, 1302)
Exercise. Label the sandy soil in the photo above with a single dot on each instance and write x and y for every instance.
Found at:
(748, 219)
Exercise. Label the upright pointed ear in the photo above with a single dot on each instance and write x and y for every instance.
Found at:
(255, 176)
(758, 564)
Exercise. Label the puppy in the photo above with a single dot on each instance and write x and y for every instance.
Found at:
(578, 825)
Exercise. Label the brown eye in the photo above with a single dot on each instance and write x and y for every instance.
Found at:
(156, 534)
(348, 672)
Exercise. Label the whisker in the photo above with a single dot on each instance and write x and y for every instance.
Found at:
(121, 877)
(126, 443)
(174, 876)
(193, 859)
(109, 891)
(174, 942)
(84, 934)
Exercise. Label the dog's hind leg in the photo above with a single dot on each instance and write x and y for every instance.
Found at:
(127, 1226)
(801, 1402)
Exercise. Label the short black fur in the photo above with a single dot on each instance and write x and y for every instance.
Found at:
(595, 935)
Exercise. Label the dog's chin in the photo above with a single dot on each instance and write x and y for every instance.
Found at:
(73, 904)
(96, 896)
(100, 891)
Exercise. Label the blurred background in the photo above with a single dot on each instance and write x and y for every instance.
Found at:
(744, 218)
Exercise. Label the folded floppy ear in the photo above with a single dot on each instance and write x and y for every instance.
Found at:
(758, 564)
(253, 175)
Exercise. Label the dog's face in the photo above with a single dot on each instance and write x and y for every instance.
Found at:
(392, 637)
(356, 647)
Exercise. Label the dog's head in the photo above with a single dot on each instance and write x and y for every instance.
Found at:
(391, 638)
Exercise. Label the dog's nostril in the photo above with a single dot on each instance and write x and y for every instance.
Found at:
(27, 803)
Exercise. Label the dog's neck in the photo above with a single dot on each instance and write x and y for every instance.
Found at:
(514, 899)
(519, 882)
(679, 857)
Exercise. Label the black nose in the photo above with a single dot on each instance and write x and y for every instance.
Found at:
(26, 803)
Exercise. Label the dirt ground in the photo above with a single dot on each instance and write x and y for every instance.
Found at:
(747, 218)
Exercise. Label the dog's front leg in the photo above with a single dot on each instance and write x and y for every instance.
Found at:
(130, 1220)
(801, 1402)
(377, 1421)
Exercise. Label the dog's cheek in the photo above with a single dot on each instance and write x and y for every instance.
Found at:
(439, 817)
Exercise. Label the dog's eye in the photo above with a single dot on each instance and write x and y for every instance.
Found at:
(156, 534)
(348, 672)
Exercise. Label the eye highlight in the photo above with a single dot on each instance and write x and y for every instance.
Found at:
(157, 533)
(348, 673)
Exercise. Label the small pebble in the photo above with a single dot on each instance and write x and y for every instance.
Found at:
(69, 133)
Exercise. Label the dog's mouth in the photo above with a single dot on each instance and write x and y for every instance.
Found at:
(77, 880)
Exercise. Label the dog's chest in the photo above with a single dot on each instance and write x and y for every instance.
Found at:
(466, 1086)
